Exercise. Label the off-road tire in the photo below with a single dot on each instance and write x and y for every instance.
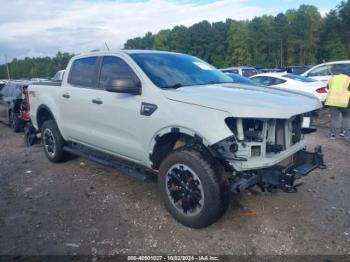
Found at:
(15, 123)
(213, 205)
(59, 155)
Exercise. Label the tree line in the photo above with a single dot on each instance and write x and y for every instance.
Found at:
(297, 37)
(43, 67)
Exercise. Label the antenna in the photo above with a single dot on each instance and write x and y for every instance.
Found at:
(107, 46)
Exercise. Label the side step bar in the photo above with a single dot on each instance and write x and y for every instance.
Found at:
(108, 161)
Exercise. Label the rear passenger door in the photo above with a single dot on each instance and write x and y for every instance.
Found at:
(77, 115)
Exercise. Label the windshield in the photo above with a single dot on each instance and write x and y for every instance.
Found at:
(299, 78)
(172, 70)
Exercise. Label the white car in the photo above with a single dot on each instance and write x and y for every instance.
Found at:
(293, 82)
(323, 72)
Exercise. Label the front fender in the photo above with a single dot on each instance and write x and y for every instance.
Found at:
(205, 124)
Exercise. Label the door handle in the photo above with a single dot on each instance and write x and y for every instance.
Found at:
(66, 95)
(97, 101)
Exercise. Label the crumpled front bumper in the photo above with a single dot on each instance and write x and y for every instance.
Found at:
(282, 177)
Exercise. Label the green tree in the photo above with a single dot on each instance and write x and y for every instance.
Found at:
(237, 39)
(161, 40)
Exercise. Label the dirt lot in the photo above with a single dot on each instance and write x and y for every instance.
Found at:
(70, 208)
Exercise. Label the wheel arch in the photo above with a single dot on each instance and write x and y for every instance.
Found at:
(44, 113)
(171, 138)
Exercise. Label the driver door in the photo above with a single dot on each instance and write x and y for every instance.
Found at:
(118, 119)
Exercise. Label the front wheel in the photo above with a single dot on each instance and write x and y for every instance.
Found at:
(190, 188)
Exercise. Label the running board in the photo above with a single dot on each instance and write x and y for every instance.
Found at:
(109, 161)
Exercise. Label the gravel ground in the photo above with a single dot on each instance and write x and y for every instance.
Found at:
(79, 207)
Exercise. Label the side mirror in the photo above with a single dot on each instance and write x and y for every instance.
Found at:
(124, 85)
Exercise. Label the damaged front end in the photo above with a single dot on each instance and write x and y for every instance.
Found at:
(270, 153)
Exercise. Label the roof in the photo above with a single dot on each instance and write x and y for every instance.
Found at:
(272, 74)
(126, 51)
(337, 62)
(122, 51)
(237, 67)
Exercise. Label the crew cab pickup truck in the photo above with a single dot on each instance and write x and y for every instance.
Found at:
(179, 117)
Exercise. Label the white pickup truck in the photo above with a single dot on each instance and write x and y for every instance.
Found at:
(181, 118)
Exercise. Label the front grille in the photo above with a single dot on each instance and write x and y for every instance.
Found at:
(280, 138)
(285, 133)
(296, 129)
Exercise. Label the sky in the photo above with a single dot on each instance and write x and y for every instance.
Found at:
(44, 27)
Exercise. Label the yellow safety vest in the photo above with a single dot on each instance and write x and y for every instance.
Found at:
(338, 94)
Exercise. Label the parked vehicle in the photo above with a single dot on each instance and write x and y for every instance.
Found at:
(58, 76)
(297, 70)
(324, 72)
(241, 70)
(14, 105)
(269, 70)
(174, 115)
(293, 82)
(37, 79)
(239, 79)
(2, 84)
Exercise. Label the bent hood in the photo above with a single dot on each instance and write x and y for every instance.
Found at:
(246, 101)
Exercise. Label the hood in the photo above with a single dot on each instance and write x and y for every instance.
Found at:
(246, 101)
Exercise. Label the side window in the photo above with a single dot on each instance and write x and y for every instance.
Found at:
(341, 69)
(260, 79)
(320, 71)
(234, 71)
(114, 68)
(84, 72)
(17, 91)
(6, 91)
(277, 81)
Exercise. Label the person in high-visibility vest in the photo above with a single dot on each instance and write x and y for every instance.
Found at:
(338, 102)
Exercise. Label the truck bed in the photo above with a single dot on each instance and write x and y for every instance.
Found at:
(48, 83)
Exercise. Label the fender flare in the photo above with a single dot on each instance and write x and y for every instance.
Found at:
(43, 106)
(176, 129)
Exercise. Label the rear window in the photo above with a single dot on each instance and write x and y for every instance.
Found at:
(233, 71)
(84, 72)
(247, 72)
(268, 80)
(299, 78)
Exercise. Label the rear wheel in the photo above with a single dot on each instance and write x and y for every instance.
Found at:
(53, 142)
(190, 188)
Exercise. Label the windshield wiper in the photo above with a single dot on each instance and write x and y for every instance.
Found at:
(174, 86)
